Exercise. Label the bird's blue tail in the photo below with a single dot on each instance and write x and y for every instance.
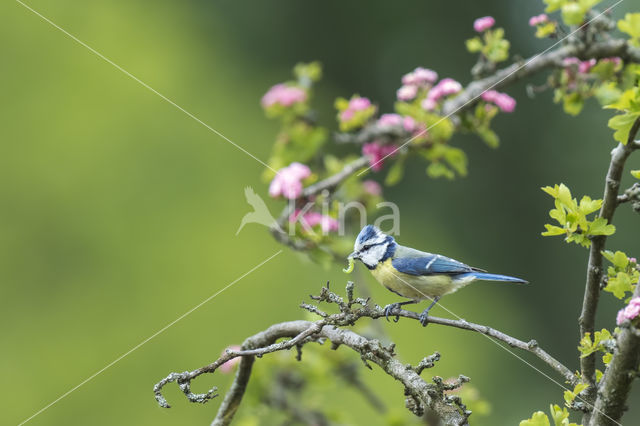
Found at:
(493, 277)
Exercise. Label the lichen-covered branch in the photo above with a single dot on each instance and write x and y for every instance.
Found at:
(420, 394)
(615, 385)
(610, 202)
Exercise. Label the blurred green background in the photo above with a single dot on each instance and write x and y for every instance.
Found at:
(118, 212)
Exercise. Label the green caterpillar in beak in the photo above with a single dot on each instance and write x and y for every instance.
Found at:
(349, 269)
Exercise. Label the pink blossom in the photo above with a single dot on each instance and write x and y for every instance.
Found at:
(283, 95)
(489, 95)
(445, 87)
(633, 260)
(419, 76)
(428, 104)
(390, 120)
(377, 153)
(615, 59)
(570, 61)
(227, 367)
(327, 223)
(407, 93)
(287, 181)
(483, 24)
(449, 86)
(409, 124)
(347, 114)
(630, 312)
(372, 187)
(357, 103)
(503, 101)
(538, 19)
(583, 66)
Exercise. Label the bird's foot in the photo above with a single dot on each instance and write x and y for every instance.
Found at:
(389, 309)
(424, 318)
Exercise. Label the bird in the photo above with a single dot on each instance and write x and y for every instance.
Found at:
(414, 274)
(261, 213)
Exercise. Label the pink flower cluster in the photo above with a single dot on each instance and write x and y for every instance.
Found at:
(327, 223)
(376, 153)
(283, 95)
(372, 187)
(288, 181)
(227, 367)
(583, 66)
(630, 312)
(396, 120)
(445, 87)
(538, 19)
(615, 59)
(483, 24)
(503, 101)
(420, 77)
(356, 103)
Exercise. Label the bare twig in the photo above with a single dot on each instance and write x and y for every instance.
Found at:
(615, 385)
(619, 156)
(335, 180)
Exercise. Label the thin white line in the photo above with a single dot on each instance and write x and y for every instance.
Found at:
(422, 132)
(100, 55)
(64, 395)
(511, 352)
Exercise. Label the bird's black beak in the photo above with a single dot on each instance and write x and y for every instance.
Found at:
(353, 255)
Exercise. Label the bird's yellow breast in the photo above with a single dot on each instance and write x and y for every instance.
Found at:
(413, 286)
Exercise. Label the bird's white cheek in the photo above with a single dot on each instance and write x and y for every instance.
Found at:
(372, 256)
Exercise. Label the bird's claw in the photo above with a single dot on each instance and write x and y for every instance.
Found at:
(424, 319)
(389, 309)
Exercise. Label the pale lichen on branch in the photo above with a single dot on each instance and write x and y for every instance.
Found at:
(420, 394)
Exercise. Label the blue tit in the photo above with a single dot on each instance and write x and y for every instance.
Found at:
(415, 274)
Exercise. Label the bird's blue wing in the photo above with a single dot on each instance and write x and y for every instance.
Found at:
(430, 264)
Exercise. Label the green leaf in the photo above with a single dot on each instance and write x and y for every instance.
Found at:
(573, 103)
(622, 124)
(573, 13)
(560, 416)
(607, 93)
(553, 230)
(396, 171)
(620, 260)
(457, 159)
(496, 48)
(547, 29)
(436, 170)
(635, 174)
(489, 137)
(587, 205)
(306, 73)
(631, 25)
(538, 419)
(553, 5)
(606, 359)
(599, 227)
(474, 45)
(619, 285)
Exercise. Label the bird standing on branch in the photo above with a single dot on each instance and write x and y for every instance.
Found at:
(415, 274)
